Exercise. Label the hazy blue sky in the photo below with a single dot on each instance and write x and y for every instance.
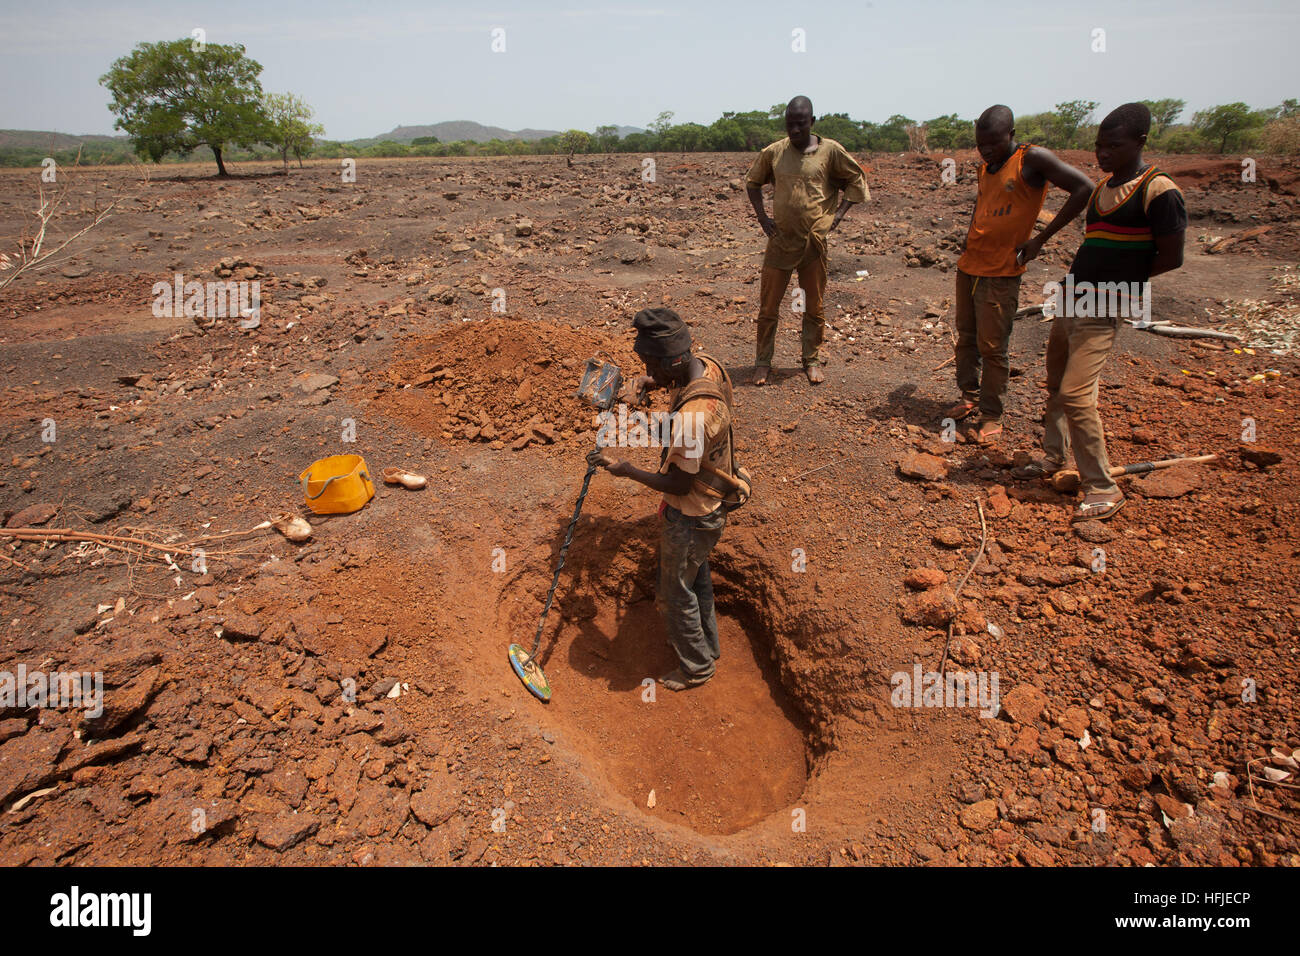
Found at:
(367, 67)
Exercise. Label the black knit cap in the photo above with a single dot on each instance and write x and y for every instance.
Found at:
(660, 333)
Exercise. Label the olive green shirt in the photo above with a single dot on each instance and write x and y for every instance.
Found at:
(807, 188)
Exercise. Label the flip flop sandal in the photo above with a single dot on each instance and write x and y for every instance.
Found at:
(987, 433)
(396, 476)
(679, 681)
(1097, 510)
(761, 374)
(962, 409)
(1038, 468)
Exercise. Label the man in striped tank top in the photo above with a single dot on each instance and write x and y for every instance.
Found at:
(1013, 182)
(1136, 223)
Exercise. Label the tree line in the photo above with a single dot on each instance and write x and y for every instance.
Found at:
(174, 97)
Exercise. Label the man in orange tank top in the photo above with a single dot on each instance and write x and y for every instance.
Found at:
(1013, 182)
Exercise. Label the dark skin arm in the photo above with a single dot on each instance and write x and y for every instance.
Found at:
(1042, 166)
(1169, 252)
(839, 213)
(756, 200)
(675, 482)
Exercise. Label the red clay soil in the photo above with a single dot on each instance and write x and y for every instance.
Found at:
(1152, 688)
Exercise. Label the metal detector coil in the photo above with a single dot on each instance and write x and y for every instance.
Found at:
(528, 671)
(601, 383)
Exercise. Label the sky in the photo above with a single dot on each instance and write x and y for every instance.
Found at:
(367, 67)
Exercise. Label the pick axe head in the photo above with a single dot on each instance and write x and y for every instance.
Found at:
(601, 383)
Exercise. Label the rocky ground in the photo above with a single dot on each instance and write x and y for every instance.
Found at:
(348, 700)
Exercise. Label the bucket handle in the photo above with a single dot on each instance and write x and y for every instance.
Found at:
(307, 477)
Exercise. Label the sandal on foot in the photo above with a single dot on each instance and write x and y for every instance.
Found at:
(963, 409)
(677, 680)
(761, 372)
(396, 476)
(814, 374)
(1097, 507)
(987, 433)
(1036, 468)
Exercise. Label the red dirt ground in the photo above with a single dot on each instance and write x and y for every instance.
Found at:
(227, 689)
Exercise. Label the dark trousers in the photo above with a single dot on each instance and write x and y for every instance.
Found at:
(685, 593)
(985, 311)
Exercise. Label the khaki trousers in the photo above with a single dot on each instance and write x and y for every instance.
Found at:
(772, 286)
(1076, 351)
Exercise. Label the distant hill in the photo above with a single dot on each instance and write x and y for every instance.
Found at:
(44, 139)
(455, 130)
(464, 130)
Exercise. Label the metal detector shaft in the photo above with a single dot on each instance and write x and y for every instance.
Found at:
(564, 551)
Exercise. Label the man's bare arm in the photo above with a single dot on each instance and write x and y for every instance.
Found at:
(1064, 176)
(1169, 252)
(756, 200)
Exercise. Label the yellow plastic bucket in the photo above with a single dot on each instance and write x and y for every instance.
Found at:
(337, 485)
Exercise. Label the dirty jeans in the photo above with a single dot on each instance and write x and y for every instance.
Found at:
(685, 593)
(1076, 351)
(772, 286)
(986, 309)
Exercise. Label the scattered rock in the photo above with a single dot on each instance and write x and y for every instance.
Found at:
(932, 608)
(1094, 532)
(918, 464)
(923, 579)
(286, 830)
(125, 703)
(1024, 703)
(314, 383)
(980, 816)
(33, 515)
(948, 537)
(437, 800)
(1169, 483)
(1261, 456)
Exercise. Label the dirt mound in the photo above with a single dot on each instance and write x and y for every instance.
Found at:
(500, 381)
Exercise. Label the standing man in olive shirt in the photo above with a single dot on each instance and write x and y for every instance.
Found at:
(808, 172)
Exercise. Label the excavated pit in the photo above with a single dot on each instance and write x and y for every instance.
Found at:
(719, 758)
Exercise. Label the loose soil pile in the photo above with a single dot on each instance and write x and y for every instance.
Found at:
(500, 381)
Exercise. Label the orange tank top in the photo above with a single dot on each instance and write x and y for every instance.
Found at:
(1005, 212)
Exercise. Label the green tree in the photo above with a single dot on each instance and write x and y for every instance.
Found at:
(606, 140)
(1164, 113)
(949, 132)
(574, 141)
(291, 129)
(662, 123)
(1226, 123)
(176, 95)
(685, 137)
(839, 127)
(424, 141)
(637, 143)
(726, 135)
(1070, 116)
